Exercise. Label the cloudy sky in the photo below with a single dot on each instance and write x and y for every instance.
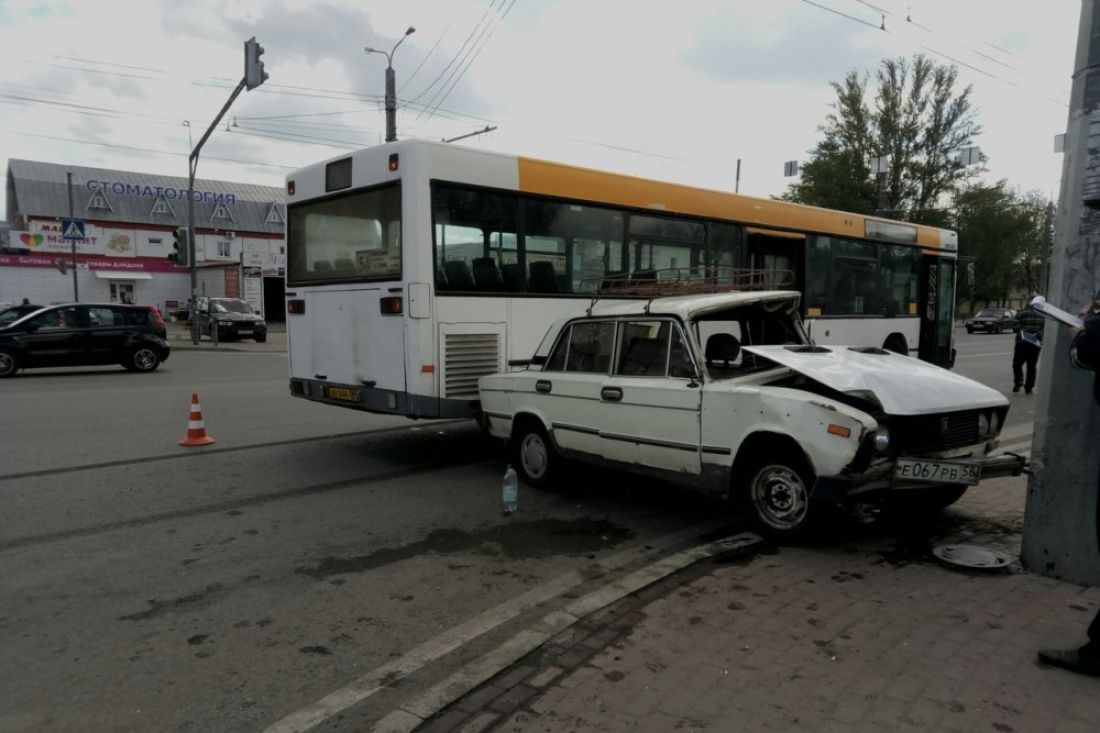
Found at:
(677, 91)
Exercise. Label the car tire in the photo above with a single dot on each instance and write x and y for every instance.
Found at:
(533, 454)
(777, 494)
(997, 331)
(261, 339)
(969, 330)
(9, 363)
(142, 359)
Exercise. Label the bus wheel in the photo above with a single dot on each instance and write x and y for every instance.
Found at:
(896, 342)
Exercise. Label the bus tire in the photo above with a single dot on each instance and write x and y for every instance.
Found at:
(533, 454)
(896, 342)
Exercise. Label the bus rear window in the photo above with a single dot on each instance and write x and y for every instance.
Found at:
(355, 236)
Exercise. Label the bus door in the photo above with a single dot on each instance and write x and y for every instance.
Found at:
(775, 250)
(937, 307)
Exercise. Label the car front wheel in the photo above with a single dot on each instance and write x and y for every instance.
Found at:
(533, 455)
(261, 339)
(9, 363)
(779, 498)
(142, 359)
(970, 329)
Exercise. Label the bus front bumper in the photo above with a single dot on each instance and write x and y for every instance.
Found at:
(384, 401)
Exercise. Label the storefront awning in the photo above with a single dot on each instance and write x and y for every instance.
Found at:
(121, 275)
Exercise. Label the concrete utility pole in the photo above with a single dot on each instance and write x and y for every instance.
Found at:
(76, 287)
(391, 93)
(1060, 523)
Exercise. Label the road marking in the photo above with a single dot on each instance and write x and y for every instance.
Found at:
(433, 649)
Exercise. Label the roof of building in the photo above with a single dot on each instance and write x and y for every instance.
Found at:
(40, 189)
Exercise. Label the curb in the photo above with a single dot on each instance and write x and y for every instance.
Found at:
(421, 708)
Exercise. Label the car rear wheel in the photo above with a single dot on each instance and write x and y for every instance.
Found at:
(779, 500)
(9, 363)
(533, 455)
(142, 359)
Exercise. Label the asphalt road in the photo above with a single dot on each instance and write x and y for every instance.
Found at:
(148, 586)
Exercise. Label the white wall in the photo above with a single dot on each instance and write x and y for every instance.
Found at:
(46, 285)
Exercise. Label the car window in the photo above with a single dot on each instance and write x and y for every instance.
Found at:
(104, 316)
(680, 363)
(230, 306)
(584, 347)
(556, 360)
(56, 319)
(137, 317)
(643, 348)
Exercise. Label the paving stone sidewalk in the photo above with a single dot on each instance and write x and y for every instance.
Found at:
(868, 634)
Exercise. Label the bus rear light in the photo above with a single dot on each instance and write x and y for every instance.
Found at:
(391, 306)
(393, 161)
(427, 368)
(290, 188)
(297, 307)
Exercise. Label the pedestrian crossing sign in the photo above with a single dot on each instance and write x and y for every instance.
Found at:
(72, 229)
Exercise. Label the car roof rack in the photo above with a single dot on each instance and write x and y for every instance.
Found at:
(673, 281)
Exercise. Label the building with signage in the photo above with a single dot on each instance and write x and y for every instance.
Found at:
(129, 222)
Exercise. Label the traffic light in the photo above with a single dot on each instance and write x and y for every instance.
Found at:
(254, 74)
(180, 249)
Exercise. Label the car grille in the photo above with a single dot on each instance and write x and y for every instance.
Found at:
(930, 433)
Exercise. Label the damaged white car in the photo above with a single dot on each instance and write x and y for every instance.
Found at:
(726, 393)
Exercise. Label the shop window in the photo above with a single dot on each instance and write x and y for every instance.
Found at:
(223, 249)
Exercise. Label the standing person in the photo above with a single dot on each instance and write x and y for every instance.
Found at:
(1085, 353)
(1029, 341)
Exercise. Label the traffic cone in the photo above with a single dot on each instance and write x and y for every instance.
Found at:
(196, 430)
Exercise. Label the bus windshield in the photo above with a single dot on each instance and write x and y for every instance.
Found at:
(355, 236)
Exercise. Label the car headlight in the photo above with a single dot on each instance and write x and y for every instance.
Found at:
(983, 425)
(880, 439)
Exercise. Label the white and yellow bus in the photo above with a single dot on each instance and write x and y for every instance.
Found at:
(414, 268)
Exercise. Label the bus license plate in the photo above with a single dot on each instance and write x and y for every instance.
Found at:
(342, 393)
(943, 472)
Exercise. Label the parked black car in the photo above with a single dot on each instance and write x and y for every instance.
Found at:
(233, 318)
(992, 320)
(83, 334)
(13, 313)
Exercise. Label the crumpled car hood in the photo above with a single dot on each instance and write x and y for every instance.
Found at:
(901, 384)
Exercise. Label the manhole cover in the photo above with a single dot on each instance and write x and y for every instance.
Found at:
(974, 558)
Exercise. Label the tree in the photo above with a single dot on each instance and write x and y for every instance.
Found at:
(919, 122)
(1006, 236)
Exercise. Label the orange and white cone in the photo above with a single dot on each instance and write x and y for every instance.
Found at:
(196, 430)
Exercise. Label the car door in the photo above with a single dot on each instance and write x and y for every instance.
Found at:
(53, 338)
(106, 333)
(567, 390)
(651, 401)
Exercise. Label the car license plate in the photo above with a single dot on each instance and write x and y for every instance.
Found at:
(342, 393)
(245, 332)
(942, 472)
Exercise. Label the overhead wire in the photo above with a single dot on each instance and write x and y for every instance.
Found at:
(458, 53)
(473, 59)
(425, 59)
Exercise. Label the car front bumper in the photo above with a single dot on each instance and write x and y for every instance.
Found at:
(880, 478)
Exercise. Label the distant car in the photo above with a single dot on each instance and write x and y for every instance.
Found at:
(726, 394)
(992, 320)
(232, 318)
(83, 334)
(13, 313)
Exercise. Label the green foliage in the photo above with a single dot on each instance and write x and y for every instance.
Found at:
(1006, 235)
(917, 120)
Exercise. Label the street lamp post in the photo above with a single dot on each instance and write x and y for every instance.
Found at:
(391, 93)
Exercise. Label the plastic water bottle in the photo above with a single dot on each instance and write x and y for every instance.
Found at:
(510, 493)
